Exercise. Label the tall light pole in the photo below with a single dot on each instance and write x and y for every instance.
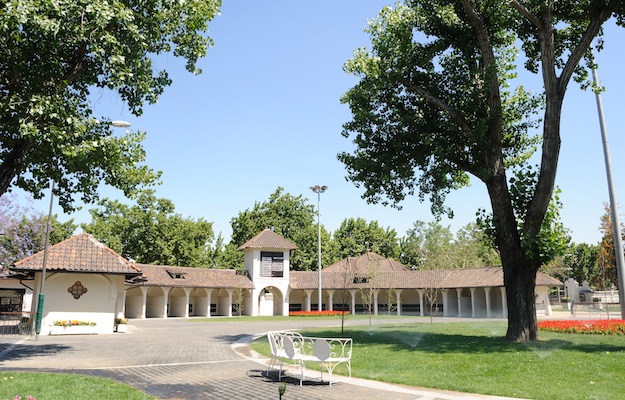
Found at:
(319, 189)
(616, 227)
(40, 299)
(42, 282)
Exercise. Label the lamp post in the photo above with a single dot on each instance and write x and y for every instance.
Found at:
(319, 189)
(42, 282)
(40, 299)
(120, 124)
(616, 227)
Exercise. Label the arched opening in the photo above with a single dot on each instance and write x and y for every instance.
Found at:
(452, 303)
(155, 306)
(177, 303)
(198, 303)
(479, 301)
(134, 303)
(270, 301)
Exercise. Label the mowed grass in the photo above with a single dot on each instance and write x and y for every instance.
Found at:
(475, 358)
(43, 386)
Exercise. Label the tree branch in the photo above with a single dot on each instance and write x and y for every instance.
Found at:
(583, 46)
(13, 164)
(555, 89)
(527, 14)
(78, 65)
(488, 56)
(456, 116)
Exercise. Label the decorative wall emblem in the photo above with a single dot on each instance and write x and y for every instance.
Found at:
(77, 290)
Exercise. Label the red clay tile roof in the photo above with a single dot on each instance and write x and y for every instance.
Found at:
(268, 239)
(367, 262)
(442, 279)
(80, 253)
(160, 275)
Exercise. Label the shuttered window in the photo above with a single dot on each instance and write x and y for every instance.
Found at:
(271, 264)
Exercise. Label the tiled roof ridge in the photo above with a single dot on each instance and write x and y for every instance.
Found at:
(77, 243)
(184, 267)
(105, 247)
(267, 235)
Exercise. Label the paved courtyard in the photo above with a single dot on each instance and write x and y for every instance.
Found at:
(180, 359)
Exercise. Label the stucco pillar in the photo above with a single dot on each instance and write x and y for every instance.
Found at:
(230, 292)
(286, 303)
(144, 300)
(504, 302)
(330, 299)
(375, 302)
(352, 306)
(398, 295)
(421, 306)
(487, 293)
(165, 301)
(187, 295)
(121, 302)
(209, 294)
(307, 306)
(472, 302)
(444, 293)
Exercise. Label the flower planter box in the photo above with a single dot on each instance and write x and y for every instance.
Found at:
(74, 330)
(121, 328)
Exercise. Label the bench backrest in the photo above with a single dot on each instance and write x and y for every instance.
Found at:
(291, 344)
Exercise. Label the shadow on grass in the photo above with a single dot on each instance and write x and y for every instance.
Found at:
(436, 342)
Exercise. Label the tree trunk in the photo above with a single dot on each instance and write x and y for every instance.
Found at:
(520, 283)
(519, 273)
(13, 164)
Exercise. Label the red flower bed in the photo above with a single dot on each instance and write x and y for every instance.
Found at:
(324, 313)
(597, 327)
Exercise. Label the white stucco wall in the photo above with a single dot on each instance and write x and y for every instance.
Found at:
(252, 264)
(99, 304)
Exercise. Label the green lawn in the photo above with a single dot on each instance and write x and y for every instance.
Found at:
(474, 357)
(43, 386)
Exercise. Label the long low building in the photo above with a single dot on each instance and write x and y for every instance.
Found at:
(87, 281)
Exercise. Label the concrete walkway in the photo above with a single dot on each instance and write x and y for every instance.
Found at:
(181, 359)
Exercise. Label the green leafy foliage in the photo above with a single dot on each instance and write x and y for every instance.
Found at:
(150, 232)
(607, 250)
(355, 237)
(290, 217)
(53, 56)
(434, 104)
(433, 246)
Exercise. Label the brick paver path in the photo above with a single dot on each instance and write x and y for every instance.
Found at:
(181, 359)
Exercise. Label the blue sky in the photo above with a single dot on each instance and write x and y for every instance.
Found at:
(265, 114)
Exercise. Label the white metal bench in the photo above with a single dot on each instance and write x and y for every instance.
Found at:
(298, 349)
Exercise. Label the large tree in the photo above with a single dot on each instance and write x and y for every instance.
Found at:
(433, 246)
(581, 262)
(53, 55)
(23, 230)
(607, 252)
(434, 106)
(290, 217)
(355, 237)
(150, 232)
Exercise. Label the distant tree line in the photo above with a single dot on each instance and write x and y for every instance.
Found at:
(151, 232)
